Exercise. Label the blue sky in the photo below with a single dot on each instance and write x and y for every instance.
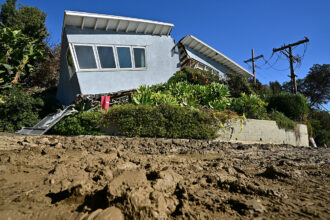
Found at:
(233, 27)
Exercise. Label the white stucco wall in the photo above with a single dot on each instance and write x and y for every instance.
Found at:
(162, 61)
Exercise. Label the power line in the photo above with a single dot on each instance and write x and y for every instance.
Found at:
(292, 59)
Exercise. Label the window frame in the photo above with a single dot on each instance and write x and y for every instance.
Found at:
(98, 61)
(145, 57)
(132, 59)
(76, 58)
(114, 54)
(70, 50)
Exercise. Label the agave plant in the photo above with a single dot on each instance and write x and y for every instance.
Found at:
(142, 95)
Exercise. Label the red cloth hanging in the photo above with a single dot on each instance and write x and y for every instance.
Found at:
(105, 101)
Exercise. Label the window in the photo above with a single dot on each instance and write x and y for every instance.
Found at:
(106, 56)
(139, 57)
(124, 57)
(85, 57)
(93, 57)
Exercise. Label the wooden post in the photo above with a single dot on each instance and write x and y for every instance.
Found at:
(253, 68)
(293, 76)
(253, 65)
(291, 59)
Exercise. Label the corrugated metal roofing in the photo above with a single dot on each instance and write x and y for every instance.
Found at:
(115, 23)
(201, 47)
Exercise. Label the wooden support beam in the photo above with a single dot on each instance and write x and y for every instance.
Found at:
(145, 31)
(137, 27)
(82, 23)
(107, 26)
(95, 25)
(169, 31)
(153, 31)
(118, 25)
(127, 27)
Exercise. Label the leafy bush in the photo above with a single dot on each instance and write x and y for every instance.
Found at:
(282, 121)
(18, 110)
(251, 106)
(18, 54)
(194, 76)
(237, 84)
(294, 106)
(320, 123)
(214, 95)
(159, 121)
(82, 123)
(146, 95)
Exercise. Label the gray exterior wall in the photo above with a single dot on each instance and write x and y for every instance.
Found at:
(67, 88)
(263, 131)
(207, 61)
(162, 62)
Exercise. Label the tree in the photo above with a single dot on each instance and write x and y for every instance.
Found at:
(320, 122)
(275, 87)
(46, 74)
(30, 20)
(7, 14)
(18, 54)
(316, 85)
(237, 84)
(32, 23)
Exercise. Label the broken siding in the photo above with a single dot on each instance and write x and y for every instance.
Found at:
(189, 56)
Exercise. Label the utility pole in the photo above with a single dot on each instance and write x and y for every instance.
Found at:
(253, 65)
(292, 59)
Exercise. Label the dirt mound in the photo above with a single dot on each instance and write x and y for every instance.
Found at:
(54, 177)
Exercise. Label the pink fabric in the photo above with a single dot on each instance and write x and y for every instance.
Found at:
(105, 101)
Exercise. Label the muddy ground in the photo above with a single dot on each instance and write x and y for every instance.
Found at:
(54, 177)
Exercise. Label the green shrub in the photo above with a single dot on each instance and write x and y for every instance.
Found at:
(320, 123)
(164, 120)
(147, 95)
(294, 106)
(282, 121)
(237, 84)
(82, 123)
(18, 110)
(214, 95)
(251, 106)
(194, 76)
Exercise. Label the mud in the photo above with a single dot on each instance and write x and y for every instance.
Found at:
(54, 177)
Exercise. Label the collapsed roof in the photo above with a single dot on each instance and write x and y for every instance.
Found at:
(201, 47)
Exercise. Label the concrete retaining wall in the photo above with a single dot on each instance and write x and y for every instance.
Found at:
(263, 131)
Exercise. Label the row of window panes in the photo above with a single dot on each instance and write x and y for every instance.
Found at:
(109, 58)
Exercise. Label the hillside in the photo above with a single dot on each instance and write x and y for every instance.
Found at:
(88, 177)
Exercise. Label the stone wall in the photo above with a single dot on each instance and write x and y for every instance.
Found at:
(263, 131)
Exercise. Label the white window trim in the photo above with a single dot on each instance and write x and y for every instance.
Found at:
(114, 54)
(69, 50)
(97, 58)
(130, 51)
(145, 57)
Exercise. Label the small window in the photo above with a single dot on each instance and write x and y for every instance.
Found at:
(139, 57)
(124, 57)
(85, 56)
(107, 58)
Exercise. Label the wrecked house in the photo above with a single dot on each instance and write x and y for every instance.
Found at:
(105, 54)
